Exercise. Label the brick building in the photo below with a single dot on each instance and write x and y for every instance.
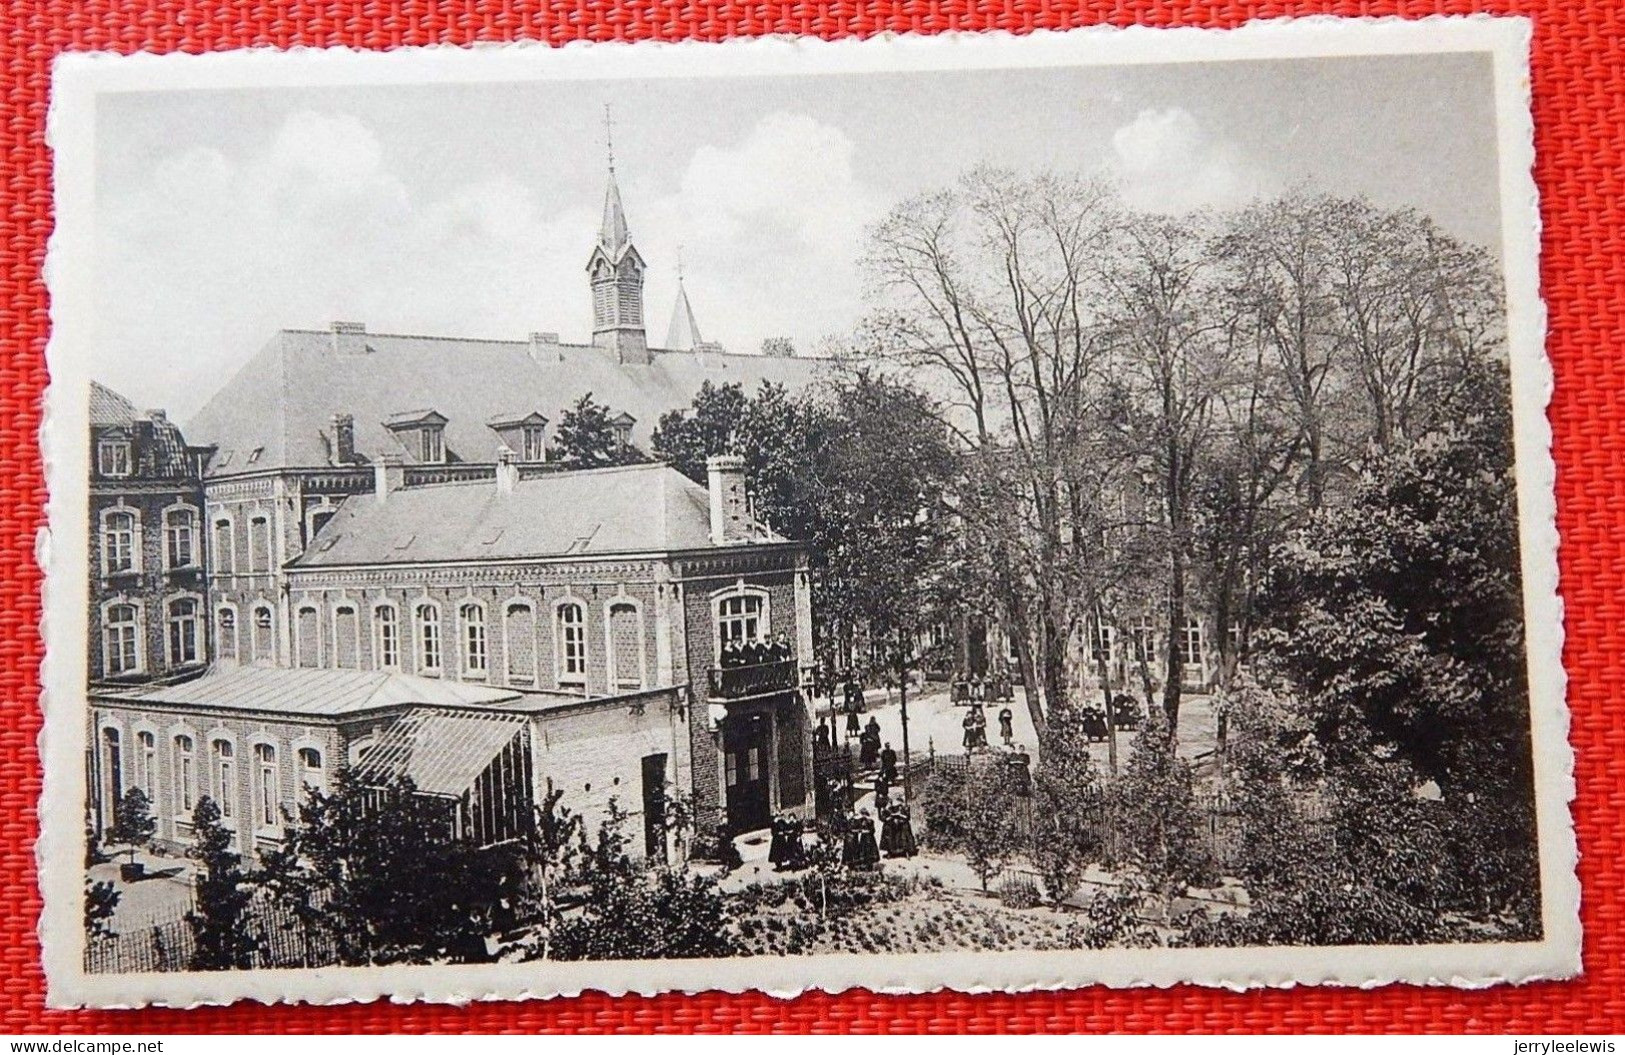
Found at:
(148, 595)
(595, 583)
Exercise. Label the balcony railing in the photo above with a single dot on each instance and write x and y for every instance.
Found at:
(733, 683)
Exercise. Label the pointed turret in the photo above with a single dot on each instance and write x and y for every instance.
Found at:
(615, 271)
(684, 333)
(612, 231)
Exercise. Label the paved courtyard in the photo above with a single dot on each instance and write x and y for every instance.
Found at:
(935, 725)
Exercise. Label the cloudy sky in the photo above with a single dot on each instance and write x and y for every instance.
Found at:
(470, 210)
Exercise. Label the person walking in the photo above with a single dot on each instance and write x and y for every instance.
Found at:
(1007, 726)
(888, 763)
(869, 746)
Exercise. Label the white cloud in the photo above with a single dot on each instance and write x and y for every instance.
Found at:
(210, 255)
(1167, 162)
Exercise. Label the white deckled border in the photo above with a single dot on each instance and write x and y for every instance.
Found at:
(79, 79)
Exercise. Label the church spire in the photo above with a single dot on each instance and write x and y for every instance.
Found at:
(615, 272)
(612, 231)
(683, 335)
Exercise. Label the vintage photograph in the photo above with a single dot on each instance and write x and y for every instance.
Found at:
(885, 507)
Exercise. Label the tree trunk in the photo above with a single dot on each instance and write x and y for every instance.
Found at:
(1176, 588)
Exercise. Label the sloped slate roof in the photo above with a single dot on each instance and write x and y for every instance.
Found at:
(630, 509)
(329, 693)
(107, 407)
(441, 752)
(284, 399)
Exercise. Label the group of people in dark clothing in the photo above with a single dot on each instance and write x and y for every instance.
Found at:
(741, 653)
(975, 725)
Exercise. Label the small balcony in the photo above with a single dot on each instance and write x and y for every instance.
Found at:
(755, 679)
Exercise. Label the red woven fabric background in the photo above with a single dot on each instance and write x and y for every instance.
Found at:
(1579, 88)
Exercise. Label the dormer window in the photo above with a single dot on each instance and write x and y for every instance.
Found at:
(524, 434)
(421, 433)
(622, 425)
(113, 457)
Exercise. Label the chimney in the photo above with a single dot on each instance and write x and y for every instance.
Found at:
(157, 417)
(388, 474)
(725, 473)
(507, 470)
(349, 338)
(343, 439)
(545, 346)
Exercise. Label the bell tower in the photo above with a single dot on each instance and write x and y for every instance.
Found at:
(615, 272)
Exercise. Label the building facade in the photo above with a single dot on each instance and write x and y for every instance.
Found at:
(148, 601)
(591, 584)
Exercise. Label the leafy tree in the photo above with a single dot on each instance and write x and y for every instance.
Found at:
(220, 921)
(1155, 815)
(101, 902)
(587, 439)
(1067, 799)
(636, 914)
(552, 854)
(1399, 611)
(133, 823)
(378, 869)
(988, 825)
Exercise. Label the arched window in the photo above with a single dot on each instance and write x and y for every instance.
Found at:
(519, 642)
(146, 763)
(121, 636)
(741, 617)
(259, 544)
(625, 646)
(387, 620)
(183, 645)
(118, 542)
(112, 772)
(346, 637)
(225, 546)
(572, 637)
(185, 775)
(226, 632)
(307, 636)
(264, 639)
(474, 652)
(225, 777)
(428, 637)
(180, 535)
(310, 769)
(269, 785)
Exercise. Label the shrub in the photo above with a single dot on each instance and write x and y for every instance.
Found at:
(1018, 893)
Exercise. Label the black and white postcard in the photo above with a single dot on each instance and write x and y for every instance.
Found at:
(984, 512)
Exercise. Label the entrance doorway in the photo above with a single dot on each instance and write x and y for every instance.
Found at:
(654, 808)
(745, 744)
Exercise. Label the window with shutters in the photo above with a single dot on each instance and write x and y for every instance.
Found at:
(307, 636)
(625, 646)
(519, 642)
(346, 637)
